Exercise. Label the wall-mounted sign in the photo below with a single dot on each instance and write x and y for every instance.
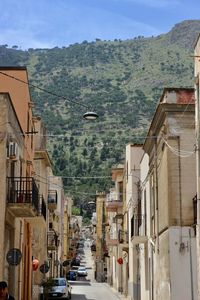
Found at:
(120, 261)
(14, 256)
(44, 268)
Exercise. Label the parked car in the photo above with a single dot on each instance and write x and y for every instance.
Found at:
(72, 275)
(75, 269)
(82, 271)
(57, 288)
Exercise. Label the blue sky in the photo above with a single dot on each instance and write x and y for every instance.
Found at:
(50, 23)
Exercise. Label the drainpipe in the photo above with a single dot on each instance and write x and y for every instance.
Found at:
(156, 186)
(180, 196)
(20, 266)
(191, 269)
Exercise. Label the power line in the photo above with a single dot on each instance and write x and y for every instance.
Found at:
(44, 90)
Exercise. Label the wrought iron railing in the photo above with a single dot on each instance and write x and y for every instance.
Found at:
(123, 236)
(22, 190)
(42, 207)
(52, 239)
(52, 197)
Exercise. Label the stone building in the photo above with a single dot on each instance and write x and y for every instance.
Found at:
(168, 259)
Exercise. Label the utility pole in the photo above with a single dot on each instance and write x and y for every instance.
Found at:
(197, 129)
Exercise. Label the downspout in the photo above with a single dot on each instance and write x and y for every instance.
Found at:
(20, 266)
(156, 186)
(191, 269)
(180, 196)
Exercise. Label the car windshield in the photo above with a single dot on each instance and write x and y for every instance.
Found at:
(59, 282)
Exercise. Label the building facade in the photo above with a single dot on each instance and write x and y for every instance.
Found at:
(169, 259)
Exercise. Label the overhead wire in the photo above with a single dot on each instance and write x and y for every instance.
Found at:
(177, 152)
(44, 90)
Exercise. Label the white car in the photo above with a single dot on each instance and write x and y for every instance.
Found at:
(58, 288)
(82, 271)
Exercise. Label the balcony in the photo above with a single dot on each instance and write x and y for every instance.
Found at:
(52, 199)
(123, 240)
(114, 206)
(138, 229)
(22, 197)
(123, 237)
(52, 240)
(42, 211)
(114, 202)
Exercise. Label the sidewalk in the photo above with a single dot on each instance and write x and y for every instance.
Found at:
(119, 295)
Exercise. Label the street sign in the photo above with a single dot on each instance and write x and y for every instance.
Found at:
(14, 256)
(44, 268)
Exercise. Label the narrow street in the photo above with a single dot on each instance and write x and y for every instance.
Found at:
(87, 288)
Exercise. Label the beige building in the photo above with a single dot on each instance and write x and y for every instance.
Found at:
(100, 238)
(33, 204)
(197, 122)
(74, 236)
(168, 260)
(20, 192)
(66, 234)
(39, 224)
(55, 235)
(115, 238)
(132, 217)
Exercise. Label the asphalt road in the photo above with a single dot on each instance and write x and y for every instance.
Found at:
(87, 288)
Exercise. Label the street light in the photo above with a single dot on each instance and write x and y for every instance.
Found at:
(90, 115)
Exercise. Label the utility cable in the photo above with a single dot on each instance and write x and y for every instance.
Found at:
(44, 90)
(177, 152)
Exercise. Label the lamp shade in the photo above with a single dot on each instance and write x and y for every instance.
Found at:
(90, 115)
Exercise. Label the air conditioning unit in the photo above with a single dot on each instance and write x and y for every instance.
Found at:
(13, 151)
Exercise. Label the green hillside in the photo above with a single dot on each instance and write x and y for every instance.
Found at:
(121, 80)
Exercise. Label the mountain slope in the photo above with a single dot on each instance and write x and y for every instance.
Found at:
(121, 80)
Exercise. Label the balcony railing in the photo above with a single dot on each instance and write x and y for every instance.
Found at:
(42, 208)
(52, 240)
(138, 228)
(52, 199)
(22, 196)
(123, 236)
(114, 196)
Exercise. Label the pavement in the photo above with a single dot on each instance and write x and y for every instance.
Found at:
(89, 262)
(119, 295)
